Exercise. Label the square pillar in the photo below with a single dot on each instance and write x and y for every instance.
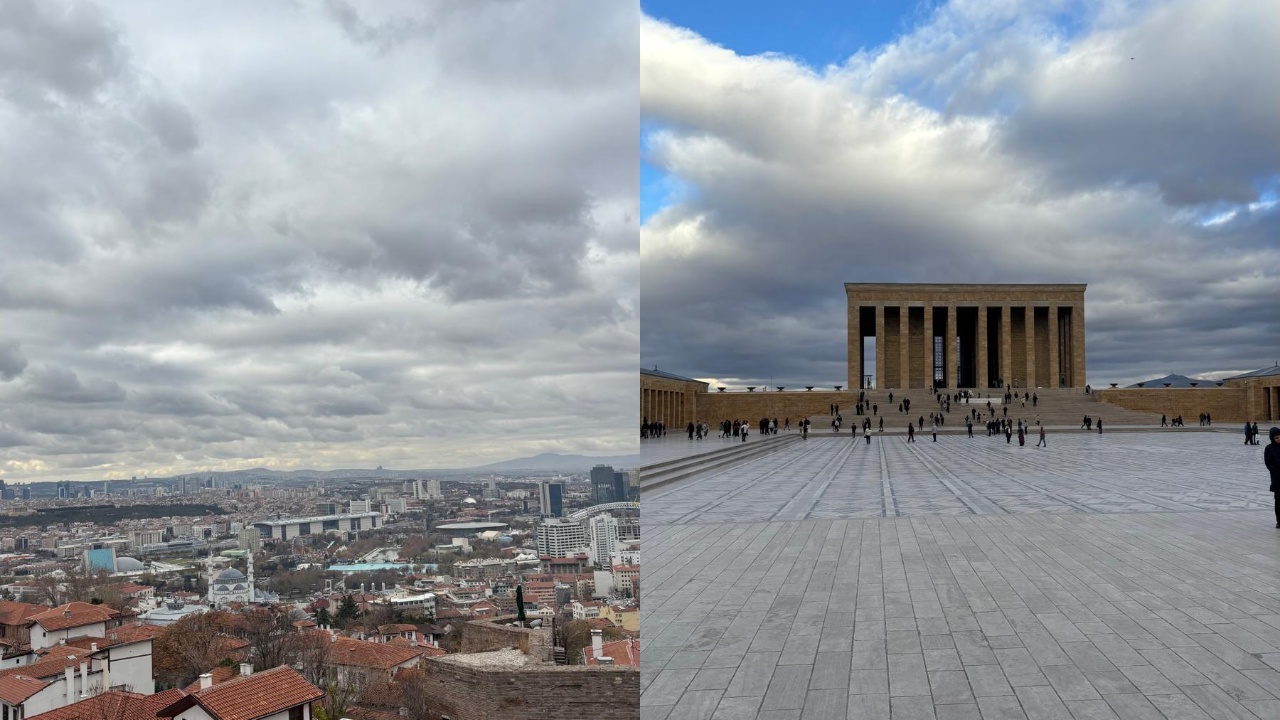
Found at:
(855, 346)
(928, 345)
(904, 346)
(981, 375)
(879, 345)
(1054, 370)
(1006, 344)
(949, 347)
(1077, 346)
(1030, 327)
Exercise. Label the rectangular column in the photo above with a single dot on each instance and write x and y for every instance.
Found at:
(949, 347)
(904, 346)
(1006, 344)
(1077, 346)
(1054, 372)
(879, 345)
(981, 344)
(855, 346)
(928, 345)
(1031, 346)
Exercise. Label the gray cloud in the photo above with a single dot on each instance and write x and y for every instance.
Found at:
(984, 146)
(315, 234)
(12, 361)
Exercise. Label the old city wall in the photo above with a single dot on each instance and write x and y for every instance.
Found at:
(486, 635)
(463, 692)
(1224, 404)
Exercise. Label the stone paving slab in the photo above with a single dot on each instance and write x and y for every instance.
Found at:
(967, 594)
(841, 478)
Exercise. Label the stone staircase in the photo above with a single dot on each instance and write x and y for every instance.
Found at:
(669, 471)
(1062, 408)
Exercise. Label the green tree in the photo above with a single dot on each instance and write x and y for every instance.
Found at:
(323, 618)
(347, 609)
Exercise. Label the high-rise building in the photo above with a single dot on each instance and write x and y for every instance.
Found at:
(558, 537)
(603, 530)
(551, 498)
(620, 487)
(360, 506)
(602, 483)
(491, 489)
(26, 491)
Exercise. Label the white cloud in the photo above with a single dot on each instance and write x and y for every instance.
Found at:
(987, 145)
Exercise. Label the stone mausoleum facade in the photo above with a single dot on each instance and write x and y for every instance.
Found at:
(967, 336)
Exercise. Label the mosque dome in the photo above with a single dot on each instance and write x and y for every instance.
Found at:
(128, 564)
(230, 575)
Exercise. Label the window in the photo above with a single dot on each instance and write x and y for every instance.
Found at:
(295, 713)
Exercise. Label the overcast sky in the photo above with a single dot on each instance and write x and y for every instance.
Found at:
(315, 234)
(1132, 146)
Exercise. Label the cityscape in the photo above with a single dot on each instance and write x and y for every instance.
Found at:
(352, 595)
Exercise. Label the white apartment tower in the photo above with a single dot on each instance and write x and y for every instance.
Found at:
(603, 530)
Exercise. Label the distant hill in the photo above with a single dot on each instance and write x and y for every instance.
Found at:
(562, 463)
(1178, 381)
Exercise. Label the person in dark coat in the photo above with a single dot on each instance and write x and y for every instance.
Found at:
(1271, 456)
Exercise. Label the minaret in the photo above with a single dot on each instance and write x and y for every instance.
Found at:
(251, 588)
(212, 574)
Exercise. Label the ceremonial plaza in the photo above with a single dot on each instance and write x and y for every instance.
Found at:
(1132, 572)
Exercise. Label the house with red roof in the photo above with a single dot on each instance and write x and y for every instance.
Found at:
(277, 694)
(114, 704)
(74, 619)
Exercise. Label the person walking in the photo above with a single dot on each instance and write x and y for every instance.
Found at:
(1099, 426)
(745, 425)
(935, 430)
(1248, 434)
(1164, 421)
(1271, 456)
(911, 432)
(866, 434)
(1042, 442)
(1255, 432)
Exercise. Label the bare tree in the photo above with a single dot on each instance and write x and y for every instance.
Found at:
(191, 646)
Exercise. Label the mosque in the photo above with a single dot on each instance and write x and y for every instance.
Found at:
(229, 585)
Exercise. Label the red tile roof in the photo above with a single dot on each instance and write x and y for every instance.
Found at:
(252, 696)
(221, 674)
(362, 653)
(114, 704)
(623, 652)
(17, 613)
(123, 635)
(73, 614)
(16, 688)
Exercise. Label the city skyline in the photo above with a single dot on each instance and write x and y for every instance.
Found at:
(1130, 147)
(315, 235)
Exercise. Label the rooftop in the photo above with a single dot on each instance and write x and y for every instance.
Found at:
(670, 376)
(71, 615)
(250, 697)
(277, 522)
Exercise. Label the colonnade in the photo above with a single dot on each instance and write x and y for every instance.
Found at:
(663, 405)
(968, 344)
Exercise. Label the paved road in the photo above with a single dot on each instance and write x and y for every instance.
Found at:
(1112, 577)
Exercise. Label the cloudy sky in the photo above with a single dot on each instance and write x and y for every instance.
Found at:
(1133, 146)
(315, 234)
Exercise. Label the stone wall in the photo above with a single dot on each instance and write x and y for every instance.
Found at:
(1224, 404)
(486, 635)
(533, 692)
(751, 406)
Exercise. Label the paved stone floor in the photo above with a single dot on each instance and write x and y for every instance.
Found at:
(1116, 577)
